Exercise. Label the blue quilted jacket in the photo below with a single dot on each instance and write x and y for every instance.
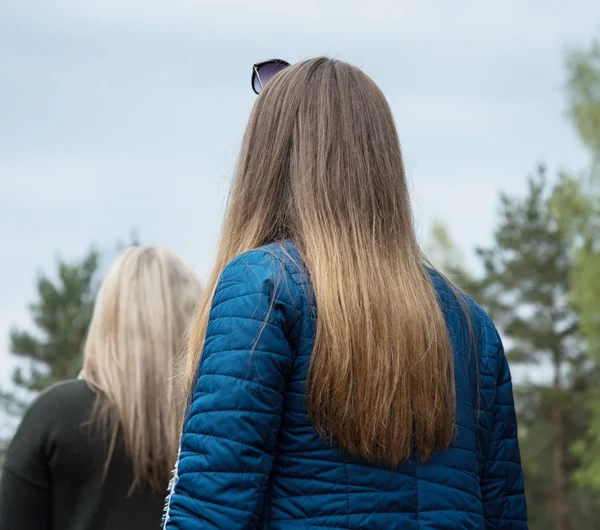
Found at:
(250, 458)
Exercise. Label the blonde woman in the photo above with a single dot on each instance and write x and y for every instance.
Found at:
(336, 380)
(96, 453)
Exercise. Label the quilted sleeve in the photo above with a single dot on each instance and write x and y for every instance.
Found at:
(230, 433)
(502, 484)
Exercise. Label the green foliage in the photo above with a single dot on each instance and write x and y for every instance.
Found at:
(52, 351)
(535, 402)
(586, 295)
(584, 101)
(3, 448)
(527, 286)
(61, 315)
(578, 208)
(527, 277)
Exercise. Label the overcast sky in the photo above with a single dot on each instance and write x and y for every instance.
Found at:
(128, 114)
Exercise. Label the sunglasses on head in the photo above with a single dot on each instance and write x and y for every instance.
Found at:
(264, 71)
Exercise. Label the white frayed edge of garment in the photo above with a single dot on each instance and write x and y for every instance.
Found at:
(172, 484)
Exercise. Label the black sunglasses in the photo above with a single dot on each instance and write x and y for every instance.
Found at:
(263, 72)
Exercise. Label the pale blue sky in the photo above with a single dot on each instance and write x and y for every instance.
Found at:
(119, 114)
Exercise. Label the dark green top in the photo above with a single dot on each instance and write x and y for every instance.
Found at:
(52, 474)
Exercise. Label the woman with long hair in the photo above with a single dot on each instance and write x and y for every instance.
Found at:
(336, 379)
(96, 453)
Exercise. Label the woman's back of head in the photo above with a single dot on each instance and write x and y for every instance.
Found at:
(142, 311)
(321, 165)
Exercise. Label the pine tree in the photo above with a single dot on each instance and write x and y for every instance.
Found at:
(61, 315)
(526, 288)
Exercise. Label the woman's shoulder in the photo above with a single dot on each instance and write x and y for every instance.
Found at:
(64, 391)
(59, 401)
(275, 270)
(55, 409)
(274, 255)
(465, 315)
(276, 264)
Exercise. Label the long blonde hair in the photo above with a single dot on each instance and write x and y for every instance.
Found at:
(141, 314)
(321, 165)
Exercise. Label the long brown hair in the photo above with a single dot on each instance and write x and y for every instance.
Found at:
(131, 355)
(321, 165)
